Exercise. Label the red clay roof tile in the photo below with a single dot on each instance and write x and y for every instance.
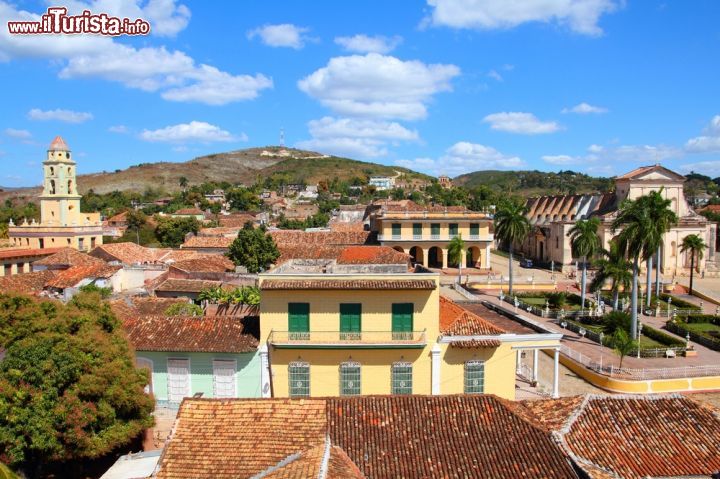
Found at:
(280, 284)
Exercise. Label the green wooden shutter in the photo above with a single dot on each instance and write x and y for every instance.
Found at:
(417, 229)
(474, 229)
(453, 227)
(402, 320)
(396, 228)
(435, 229)
(299, 320)
(350, 320)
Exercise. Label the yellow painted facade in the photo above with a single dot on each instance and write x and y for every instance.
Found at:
(323, 350)
(62, 224)
(425, 235)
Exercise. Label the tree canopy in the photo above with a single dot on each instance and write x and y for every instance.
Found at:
(253, 248)
(69, 388)
(171, 231)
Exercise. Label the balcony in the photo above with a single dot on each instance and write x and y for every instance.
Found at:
(435, 237)
(348, 340)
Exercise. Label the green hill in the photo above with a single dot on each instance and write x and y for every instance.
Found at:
(534, 183)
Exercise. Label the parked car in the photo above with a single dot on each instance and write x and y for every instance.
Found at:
(526, 263)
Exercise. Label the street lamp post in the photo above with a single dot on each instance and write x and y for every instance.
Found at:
(639, 331)
(669, 304)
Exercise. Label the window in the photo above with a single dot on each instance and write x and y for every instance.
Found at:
(396, 229)
(402, 378)
(350, 378)
(435, 230)
(224, 378)
(299, 379)
(417, 230)
(81, 244)
(474, 377)
(453, 227)
(52, 187)
(178, 377)
(474, 229)
(402, 321)
(299, 320)
(557, 242)
(350, 321)
(52, 170)
(92, 242)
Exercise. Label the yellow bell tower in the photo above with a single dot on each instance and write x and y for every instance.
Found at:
(61, 222)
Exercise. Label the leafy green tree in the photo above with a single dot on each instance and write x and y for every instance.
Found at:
(644, 221)
(511, 226)
(184, 309)
(171, 231)
(585, 244)
(183, 182)
(623, 344)
(456, 246)
(615, 267)
(93, 288)
(254, 249)
(68, 385)
(696, 246)
(242, 199)
(615, 320)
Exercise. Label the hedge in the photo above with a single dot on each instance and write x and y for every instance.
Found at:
(700, 318)
(662, 337)
(679, 328)
(679, 303)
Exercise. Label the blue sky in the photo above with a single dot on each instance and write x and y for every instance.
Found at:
(443, 86)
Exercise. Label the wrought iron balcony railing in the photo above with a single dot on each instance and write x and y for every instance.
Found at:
(347, 339)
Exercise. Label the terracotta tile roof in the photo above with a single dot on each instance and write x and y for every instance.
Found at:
(637, 436)
(474, 436)
(341, 226)
(168, 255)
(712, 208)
(68, 257)
(220, 231)
(200, 334)
(278, 284)
(236, 220)
(58, 144)
(321, 237)
(127, 253)
(372, 255)
(118, 218)
(186, 285)
(208, 242)
(208, 263)
(10, 253)
(458, 321)
(646, 169)
(189, 211)
(137, 306)
(230, 439)
(290, 251)
(27, 283)
(70, 277)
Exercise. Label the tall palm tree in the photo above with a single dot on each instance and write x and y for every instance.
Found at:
(511, 226)
(455, 250)
(585, 244)
(696, 246)
(643, 221)
(614, 267)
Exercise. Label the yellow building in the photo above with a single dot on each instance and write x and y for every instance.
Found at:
(364, 324)
(61, 222)
(425, 232)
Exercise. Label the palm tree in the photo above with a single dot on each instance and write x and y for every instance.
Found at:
(623, 344)
(585, 243)
(455, 250)
(644, 221)
(511, 226)
(695, 245)
(614, 267)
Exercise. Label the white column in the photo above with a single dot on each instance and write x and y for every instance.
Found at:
(487, 256)
(535, 365)
(435, 369)
(264, 372)
(518, 362)
(556, 374)
(426, 252)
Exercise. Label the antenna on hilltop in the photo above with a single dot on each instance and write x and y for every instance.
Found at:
(282, 137)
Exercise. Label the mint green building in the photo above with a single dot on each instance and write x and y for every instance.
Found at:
(213, 356)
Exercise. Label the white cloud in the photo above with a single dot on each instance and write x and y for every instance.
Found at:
(709, 141)
(18, 134)
(709, 168)
(581, 16)
(68, 116)
(378, 86)
(175, 74)
(118, 129)
(195, 131)
(495, 75)
(283, 35)
(366, 44)
(598, 157)
(585, 109)
(464, 157)
(356, 138)
(522, 123)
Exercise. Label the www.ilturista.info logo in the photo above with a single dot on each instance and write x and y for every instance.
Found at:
(56, 20)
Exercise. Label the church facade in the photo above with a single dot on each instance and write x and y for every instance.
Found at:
(62, 224)
(552, 217)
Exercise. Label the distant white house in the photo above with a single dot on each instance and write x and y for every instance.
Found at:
(382, 182)
(310, 193)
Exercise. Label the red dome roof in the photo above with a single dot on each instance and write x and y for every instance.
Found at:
(59, 144)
